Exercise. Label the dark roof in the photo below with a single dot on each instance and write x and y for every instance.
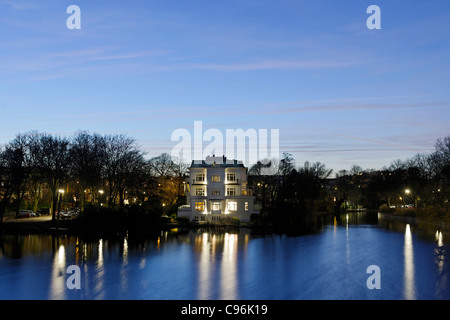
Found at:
(216, 162)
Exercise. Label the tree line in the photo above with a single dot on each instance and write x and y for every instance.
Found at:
(295, 194)
(86, 171)
(96, 172)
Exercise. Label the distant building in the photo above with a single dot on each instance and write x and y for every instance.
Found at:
(217, 191)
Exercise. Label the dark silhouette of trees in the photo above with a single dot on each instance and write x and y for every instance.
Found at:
(12, 176)
(290, 198)
(169, 173)
(109, 173)
(53, 161)
(87, 160)
(122, 165)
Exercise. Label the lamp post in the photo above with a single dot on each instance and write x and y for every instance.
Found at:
(408, 193)
(100, 198)
(61, 193)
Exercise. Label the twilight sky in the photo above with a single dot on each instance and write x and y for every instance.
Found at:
(338, 92)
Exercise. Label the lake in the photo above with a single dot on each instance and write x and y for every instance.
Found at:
(225, 263)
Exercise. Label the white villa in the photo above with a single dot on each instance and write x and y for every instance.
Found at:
(217, 191)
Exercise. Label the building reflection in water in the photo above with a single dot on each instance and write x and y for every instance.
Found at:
(205, 268)
(408, 251)
(213, 248)
(229, 267)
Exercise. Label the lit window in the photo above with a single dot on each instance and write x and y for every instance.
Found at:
(215, 178)
(200, 191)
(200, 206)
(232, 206)
(200, 177)
(246, 206)
(231, 191)
(216, 205)
(231, 176)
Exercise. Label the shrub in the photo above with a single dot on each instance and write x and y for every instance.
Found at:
(384, 208)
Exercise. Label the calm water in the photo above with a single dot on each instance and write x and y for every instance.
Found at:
(230, 264)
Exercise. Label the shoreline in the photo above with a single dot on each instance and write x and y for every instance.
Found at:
(45, 225)
(426, 222)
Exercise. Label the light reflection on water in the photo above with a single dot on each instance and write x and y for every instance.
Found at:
(232, 264)
(209, 264)
(58, 280)
(409, 265)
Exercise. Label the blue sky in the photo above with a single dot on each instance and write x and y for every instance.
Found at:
(338, 92)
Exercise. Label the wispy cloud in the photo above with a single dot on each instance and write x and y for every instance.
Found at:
(356, 107)
(274, 64)
(16, 5)
(44, 66)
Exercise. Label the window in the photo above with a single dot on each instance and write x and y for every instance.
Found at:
(231, 177)
(215, 178)
(246, 206)
(200, 177)
(231, 191)
(216, 192)
(232, 206)
(200, 191)
(216, 205)
(200, 206)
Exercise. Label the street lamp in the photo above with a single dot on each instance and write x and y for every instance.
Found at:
(101, 197)
(408, 192)
(61, 193)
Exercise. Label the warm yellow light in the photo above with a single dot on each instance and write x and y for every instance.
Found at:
(407, 191)
(100, 191)
(61, 190)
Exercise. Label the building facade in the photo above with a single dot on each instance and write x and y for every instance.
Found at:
(217, 191)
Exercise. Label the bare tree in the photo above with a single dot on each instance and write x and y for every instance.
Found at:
(317, 169)
(162, 165)
(53, 162)
(122, 161)
(8, 178)
(87, 159)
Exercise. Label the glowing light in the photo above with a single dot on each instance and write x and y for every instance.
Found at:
(229, 267)
(58, 283)
(205, 267)
(61, 256)
(439, 251)
(409, 286)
